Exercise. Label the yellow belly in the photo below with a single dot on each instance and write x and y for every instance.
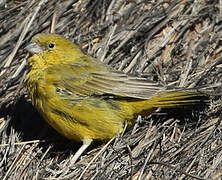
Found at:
(88, 119)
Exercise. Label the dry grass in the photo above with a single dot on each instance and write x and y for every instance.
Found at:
(175, 42)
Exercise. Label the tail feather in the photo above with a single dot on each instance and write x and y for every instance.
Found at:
(174, 98)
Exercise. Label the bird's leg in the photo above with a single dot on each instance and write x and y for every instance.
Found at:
(86, 143)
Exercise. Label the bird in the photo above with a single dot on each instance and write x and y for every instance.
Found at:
(85, 99)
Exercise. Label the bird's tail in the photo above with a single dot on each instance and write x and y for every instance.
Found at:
(175, 98)
(170, 99)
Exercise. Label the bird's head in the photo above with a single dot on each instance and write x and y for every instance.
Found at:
(50, 49)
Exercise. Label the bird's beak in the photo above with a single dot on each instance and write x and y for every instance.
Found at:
(33, 47)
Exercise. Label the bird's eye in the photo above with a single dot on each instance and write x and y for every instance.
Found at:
(51, 45)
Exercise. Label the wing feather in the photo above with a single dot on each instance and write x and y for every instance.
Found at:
(98, 80)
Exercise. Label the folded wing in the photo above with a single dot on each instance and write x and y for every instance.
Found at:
(98, 80)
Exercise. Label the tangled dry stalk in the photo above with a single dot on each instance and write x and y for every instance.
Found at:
(175, 42)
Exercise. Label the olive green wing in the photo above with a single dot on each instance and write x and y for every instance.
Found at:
(99, 80)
